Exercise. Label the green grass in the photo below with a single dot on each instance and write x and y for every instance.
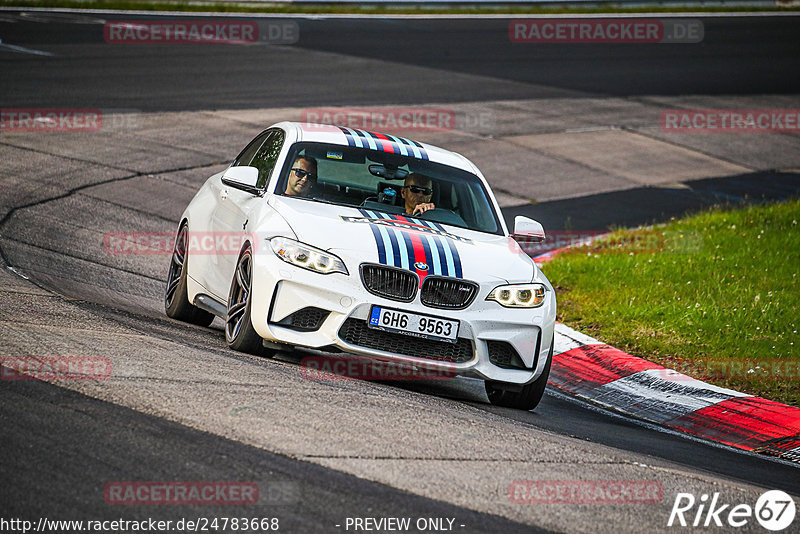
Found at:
(366, 8)
(715, 295)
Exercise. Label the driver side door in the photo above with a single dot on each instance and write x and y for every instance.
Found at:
(236, 207)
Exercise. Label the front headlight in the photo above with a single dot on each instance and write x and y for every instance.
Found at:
(306, 256)
(518, 295)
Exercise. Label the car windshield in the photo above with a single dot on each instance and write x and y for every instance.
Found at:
(374, 181)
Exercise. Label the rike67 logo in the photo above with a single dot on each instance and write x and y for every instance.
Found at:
(774, 510)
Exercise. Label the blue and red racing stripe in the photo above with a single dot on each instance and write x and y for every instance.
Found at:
(413, 242)
(383, 142)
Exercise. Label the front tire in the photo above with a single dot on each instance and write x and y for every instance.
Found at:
(176, 299)
(528, 397)
(239, 331)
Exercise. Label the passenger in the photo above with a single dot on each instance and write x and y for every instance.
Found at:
(302, 177)
(417, 191)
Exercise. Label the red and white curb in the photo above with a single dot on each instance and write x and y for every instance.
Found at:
(591, 370)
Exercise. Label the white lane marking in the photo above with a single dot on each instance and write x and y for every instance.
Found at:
(23, 50)
(648, 395)
(564, 343)
(568, 339)
(315, 16)
(668, 375)
(792, 455)
(615, 414)
(47, 17)
(18, 273)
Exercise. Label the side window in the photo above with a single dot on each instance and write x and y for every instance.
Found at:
(267, 156)
(249, 151)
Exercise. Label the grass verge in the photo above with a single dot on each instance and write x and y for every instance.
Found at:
(715, 296)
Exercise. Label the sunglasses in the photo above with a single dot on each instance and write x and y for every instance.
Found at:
(302, 173)
(417, 189)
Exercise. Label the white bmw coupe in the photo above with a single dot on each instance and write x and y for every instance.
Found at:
(342, 240)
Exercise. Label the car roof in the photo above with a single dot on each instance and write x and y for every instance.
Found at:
(356, 137)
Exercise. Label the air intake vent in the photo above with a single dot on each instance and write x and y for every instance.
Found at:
(389, 282)
(504, 355)
(356, 332)
(305, 320)
(448, 293)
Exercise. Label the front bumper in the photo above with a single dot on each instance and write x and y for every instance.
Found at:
(280, 290)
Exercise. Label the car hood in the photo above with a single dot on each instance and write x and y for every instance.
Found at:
(428, 248)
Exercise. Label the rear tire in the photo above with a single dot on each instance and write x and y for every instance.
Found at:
(528, 397)
(239, 331)
(176, 299)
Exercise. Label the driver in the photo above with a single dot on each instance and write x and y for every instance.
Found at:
(417, 191)
(302, 176)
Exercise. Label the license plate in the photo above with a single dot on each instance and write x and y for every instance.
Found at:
(413, 324)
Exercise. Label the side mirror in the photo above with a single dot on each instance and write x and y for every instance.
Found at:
(527, 230)
(244, 178)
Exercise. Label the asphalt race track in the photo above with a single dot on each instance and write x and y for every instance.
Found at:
(379, 61)
(180, 406)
